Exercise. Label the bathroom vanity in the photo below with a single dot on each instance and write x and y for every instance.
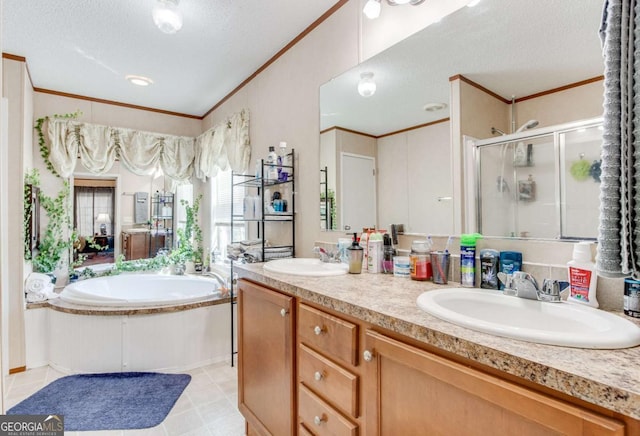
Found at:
(354, 355)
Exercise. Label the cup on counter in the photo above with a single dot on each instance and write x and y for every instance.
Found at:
(440, 265)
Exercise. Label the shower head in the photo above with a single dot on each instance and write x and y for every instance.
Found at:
(494, 131)
(528, 125)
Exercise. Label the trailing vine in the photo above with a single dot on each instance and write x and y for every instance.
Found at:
(54, 243)
(192, 233)
(42, 143)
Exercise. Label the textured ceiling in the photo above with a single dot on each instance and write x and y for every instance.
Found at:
(88, 47)
(514, 48)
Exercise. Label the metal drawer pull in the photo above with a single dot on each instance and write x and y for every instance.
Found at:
(319, 420)
(318, 330)
(367, 355)
(318, 376)
(284, 312)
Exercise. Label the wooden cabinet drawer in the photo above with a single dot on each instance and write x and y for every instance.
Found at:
(304, 431)
(333, 336)
(329, 380)
(321, 418)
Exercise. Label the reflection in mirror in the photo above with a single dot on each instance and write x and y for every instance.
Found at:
(540, 184)
(521, 50)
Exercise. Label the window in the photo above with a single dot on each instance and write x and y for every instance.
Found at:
(221, 212)
(94, 207)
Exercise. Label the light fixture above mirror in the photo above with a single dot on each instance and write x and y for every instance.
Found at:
(167, 16)
(366, 85)
(373, 7)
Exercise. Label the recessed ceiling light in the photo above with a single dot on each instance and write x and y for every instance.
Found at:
(433, 107)
(139, 80)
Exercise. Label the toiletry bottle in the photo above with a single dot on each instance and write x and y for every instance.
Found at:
(582, 276)
(510, 262)
(282, 155)
(468, 259)
(375, 251)
(387, 254)
(272, 162)
(258, 169)
(355, 256)
(489, 260)
(631, 300)
(364, 244)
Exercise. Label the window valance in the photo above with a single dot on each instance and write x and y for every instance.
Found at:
(180, 157)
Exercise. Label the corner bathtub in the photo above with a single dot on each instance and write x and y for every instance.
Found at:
(164, 323)
(134, 290)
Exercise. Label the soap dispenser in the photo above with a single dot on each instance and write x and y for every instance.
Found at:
(355, 256)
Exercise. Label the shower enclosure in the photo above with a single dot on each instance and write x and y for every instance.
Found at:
(540, 183)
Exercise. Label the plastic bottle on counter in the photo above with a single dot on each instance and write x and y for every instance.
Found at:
(582, 276)
(468, 259)
(375, 251)
(387, 255)
(364, 244)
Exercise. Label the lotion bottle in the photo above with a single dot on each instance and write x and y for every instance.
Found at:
(582, 276)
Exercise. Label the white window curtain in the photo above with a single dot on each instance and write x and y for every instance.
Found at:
(84, 213)
(180, 157)
(224, 146)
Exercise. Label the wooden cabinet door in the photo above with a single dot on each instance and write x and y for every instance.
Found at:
(413, 392)
(266, 378)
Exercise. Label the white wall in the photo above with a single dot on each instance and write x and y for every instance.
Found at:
(17, 90)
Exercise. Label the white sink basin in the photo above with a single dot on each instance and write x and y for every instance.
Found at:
(564, 324)
(302, 266)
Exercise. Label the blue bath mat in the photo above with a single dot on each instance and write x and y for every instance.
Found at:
(112, 401)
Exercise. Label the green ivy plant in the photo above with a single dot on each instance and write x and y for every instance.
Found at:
(42, 144)
(190, 238)
(55, 242)
(153, 264)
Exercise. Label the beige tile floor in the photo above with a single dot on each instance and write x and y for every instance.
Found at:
(207, 407)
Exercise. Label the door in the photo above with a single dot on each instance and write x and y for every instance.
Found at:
(266, 379)
(358, 186)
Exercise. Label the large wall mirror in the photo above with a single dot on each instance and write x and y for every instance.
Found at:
(512, 50)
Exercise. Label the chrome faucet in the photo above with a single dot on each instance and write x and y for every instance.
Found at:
(221, 280)
(526, 286)
(326, 256)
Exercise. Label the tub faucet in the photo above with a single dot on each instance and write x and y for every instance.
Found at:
(526, 286)
(221, 280)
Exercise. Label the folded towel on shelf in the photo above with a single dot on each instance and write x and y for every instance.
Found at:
(252, 247)
(38, 287)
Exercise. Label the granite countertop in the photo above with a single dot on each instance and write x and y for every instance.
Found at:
(79, 309)
(607, 378)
